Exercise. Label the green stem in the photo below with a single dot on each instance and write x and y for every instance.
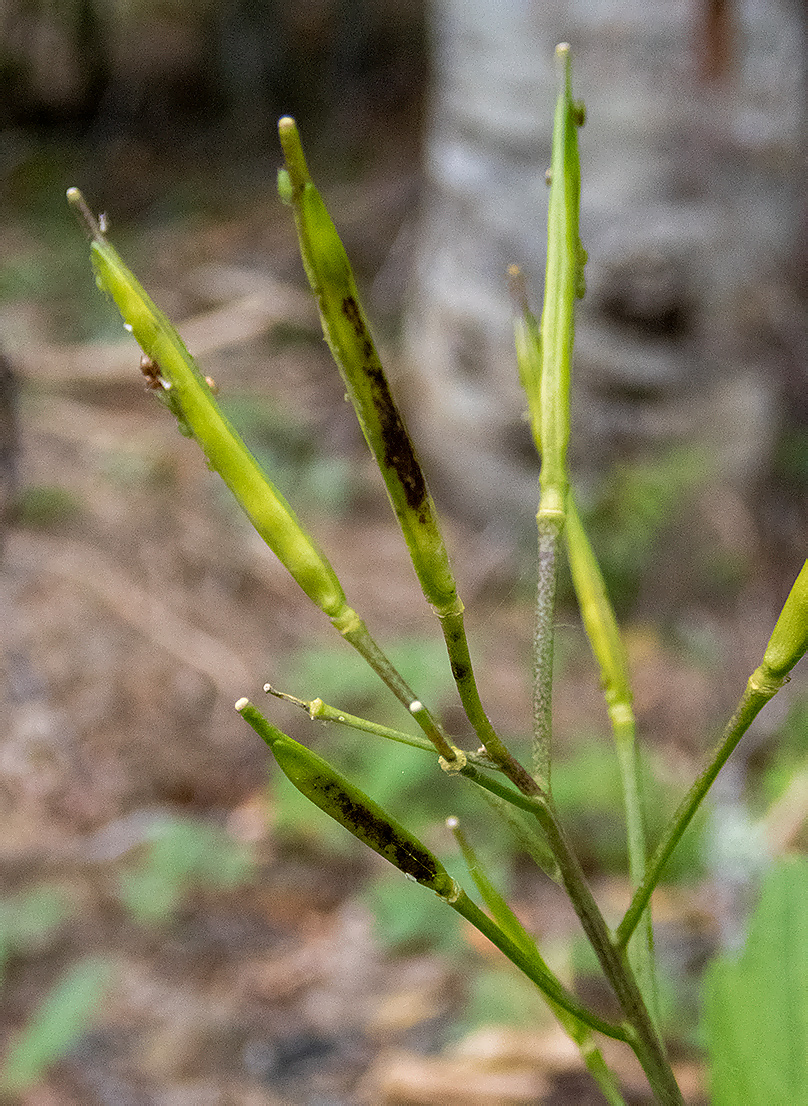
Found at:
(535, 969)
(579, 1032)
(550, 527)
(323, 712)
(606, 642)
(646, 1044)
(454, 633)
(645, 1040)
(641, 950)
(752, 702)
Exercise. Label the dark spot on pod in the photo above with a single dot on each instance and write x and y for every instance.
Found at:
(406, 854)
(151, 370)
(350, 309)
(459, 671)
(398, 450)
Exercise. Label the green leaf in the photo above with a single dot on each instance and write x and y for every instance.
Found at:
(756, 1004)
(59, 1022)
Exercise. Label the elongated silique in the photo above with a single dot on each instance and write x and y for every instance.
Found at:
(347, 804)
(349, 337)
(190, 398)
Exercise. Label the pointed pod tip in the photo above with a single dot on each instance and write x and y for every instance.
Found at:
(85, 216)
(563, 57)
(292, 147)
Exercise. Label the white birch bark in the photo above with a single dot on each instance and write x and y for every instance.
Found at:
(691, 207)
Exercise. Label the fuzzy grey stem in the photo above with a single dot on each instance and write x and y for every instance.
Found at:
(543, 637)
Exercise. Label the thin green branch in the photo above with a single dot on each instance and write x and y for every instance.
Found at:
(751, 704)
(787, 645)
(550, 527)
(509, 923)
(606, 642)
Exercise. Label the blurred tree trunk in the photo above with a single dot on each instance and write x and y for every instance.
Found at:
(691, 208)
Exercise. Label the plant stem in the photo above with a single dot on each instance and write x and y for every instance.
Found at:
(550, 527)
(580, 1033)
(752, 702)
(535, 969)
(646, 1044)
(645, 1039)
(641, 950)
(606, 642)
(454, 633)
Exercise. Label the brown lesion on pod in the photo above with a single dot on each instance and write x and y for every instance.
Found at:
(151, 371)
(406, 853)
(398, 450)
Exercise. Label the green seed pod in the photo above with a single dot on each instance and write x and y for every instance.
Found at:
(175, 378)
(789, 640)
(564, 283)
(348, 334)
(360, 815)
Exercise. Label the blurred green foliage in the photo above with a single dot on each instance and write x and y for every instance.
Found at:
(498, 996)
(29, 919)
(778, 763)
(589, 797)
(634, 505)
(61, 1020)
(407, 920)
(42, 505)
(181, 855)
(756, 1014)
